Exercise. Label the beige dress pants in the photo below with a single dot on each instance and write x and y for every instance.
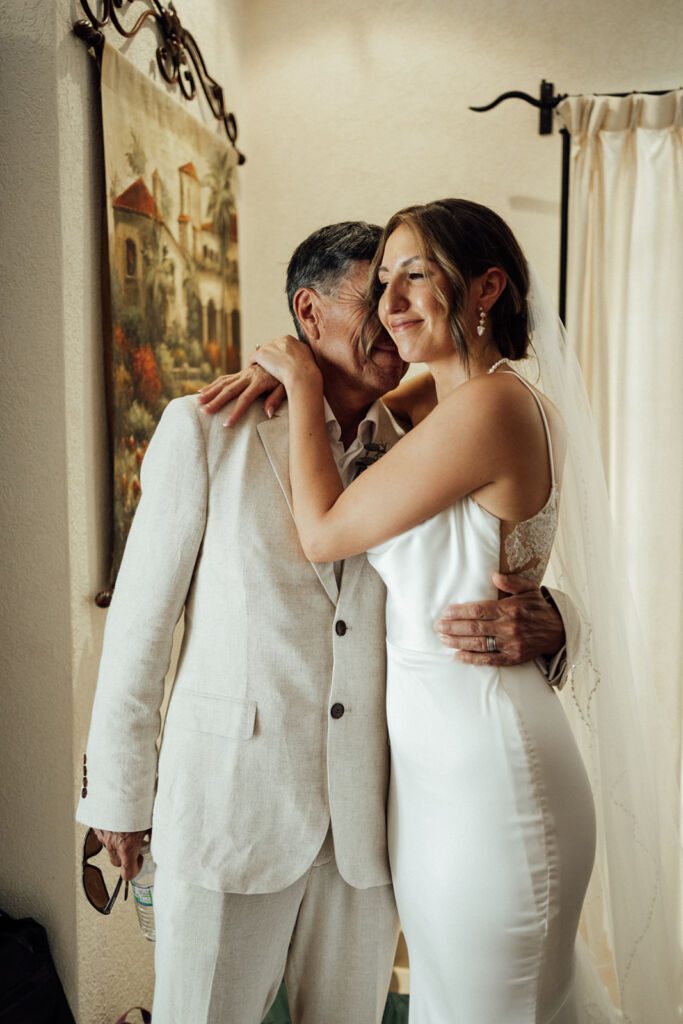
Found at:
(221, 957)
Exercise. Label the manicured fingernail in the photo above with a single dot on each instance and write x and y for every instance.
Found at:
(269, 413)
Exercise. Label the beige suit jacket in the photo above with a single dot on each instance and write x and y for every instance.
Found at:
(276, 722)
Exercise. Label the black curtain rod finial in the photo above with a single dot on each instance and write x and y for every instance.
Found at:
(545, 104)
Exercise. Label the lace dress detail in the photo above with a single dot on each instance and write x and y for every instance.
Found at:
(526, 546)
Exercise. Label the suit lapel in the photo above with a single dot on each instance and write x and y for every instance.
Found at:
(274, 436)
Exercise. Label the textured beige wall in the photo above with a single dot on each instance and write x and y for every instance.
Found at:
(36, 797)
(346, 111)
(355, 109)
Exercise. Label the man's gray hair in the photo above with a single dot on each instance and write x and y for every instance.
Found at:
(322, 259)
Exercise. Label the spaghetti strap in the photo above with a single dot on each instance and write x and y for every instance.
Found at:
(546, 425)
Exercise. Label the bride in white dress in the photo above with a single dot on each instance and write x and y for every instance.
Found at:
(491, 823)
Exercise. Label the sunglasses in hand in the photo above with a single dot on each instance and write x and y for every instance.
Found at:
(94, 885)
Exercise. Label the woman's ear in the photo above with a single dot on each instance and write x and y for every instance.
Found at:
(492, 285)
(307, 311)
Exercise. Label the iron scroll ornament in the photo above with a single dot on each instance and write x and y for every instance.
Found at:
(546, 103)
(176, 46)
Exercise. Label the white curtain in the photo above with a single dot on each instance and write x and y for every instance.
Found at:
(625, 318)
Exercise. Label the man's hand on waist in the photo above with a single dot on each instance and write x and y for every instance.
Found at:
(522, 627)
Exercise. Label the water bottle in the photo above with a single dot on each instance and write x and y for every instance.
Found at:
(143, 893)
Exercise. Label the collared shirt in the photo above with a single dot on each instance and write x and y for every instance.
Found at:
(346, 459)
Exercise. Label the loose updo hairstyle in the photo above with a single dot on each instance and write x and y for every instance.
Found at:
(465, 239)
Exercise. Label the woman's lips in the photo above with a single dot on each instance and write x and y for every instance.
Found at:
(402, 325)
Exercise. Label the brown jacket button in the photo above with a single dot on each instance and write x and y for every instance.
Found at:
(337, 710)
(84, 792)
(340, 627)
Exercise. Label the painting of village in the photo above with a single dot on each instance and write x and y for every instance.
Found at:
(172, 224)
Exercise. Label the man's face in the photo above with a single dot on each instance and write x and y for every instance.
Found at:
(338, 351)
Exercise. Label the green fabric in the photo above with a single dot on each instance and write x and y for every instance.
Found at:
(279, 1011)
(395, 1012)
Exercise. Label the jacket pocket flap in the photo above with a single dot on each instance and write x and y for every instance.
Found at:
(222, 716)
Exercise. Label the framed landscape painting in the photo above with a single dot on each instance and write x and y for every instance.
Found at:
(173, 268)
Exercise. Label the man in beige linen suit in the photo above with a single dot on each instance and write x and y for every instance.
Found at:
(267, 799)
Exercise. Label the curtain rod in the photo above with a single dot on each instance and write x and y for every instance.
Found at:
(547, 100)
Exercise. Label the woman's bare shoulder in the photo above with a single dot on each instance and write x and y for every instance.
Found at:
(502, 413)
(508, 391)
(489, 396)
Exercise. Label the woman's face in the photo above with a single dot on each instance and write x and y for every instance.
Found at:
(408, 307)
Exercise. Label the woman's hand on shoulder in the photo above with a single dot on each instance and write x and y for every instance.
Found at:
(291, 362)
(282, 359)
(245, 386)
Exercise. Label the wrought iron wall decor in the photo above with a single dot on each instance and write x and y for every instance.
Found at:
(547, 100)
(179, 58)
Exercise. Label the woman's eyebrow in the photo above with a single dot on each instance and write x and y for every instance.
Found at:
(403, 263)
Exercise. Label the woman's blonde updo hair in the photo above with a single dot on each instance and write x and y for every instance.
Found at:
(465, 239)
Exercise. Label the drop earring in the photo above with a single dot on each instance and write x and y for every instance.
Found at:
(481, 326)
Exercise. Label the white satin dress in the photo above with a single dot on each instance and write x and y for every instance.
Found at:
(491, 819)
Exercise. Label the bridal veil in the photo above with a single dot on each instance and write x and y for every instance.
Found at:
(628, 925)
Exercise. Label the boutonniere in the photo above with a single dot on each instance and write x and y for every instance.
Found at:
(371, 453)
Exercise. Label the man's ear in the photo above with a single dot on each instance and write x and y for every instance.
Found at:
(306, 304)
